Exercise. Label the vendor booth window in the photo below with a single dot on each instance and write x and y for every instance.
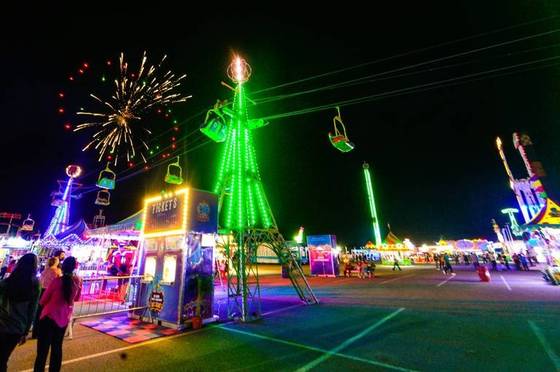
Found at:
(208, 240)
(169, 269)
(150, 268)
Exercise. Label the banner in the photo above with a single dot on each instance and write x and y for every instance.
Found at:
(321, 255)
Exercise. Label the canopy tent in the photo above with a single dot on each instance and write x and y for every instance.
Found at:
(130, 227)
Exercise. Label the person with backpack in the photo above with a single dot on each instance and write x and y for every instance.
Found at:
(57, 301)
(19, 295)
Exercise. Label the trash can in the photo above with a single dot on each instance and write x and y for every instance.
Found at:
(483, 273)
(196, 322)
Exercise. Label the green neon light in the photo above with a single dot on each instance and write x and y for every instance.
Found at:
(238, 181)
(371, 201)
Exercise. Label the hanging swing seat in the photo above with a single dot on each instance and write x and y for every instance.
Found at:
(214, 126)
(339, 139)
(174, 174)
(341, 143)
(103, 198)
(28, 224)
(106, 179)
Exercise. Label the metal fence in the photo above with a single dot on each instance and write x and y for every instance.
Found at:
(110, 295)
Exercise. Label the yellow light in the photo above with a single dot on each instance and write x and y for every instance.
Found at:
(238, 69)
(176, 231)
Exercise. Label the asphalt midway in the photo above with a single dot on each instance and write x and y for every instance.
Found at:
(414, 320)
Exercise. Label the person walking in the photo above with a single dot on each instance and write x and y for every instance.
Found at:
(396, 264)
(57, 301)
(475, 262)
(47, 276)
(447, 263)
(19, 294)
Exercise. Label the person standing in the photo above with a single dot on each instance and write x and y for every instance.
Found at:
(19, 295)
(47, 276)
(396, 264)
(506, 262)
(516, 261)
(524, 261)
(57, 301)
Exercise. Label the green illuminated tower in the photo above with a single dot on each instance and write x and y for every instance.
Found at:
(372, 208)
(243, 202)
(245, 219)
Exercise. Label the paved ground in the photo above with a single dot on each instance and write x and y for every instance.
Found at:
(417, 319)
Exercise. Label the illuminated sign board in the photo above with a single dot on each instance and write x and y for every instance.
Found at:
(166, 214)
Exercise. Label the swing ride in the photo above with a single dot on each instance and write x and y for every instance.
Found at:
(339, 139)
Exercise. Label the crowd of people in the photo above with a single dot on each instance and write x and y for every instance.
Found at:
(42, 304)
(498, 261)
(362, 264)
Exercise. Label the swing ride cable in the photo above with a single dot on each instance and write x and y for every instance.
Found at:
(365, 78)
(359, 81)
(431, 85)
(350, 83)
(398, 92)
(415, 51)
(440, 59)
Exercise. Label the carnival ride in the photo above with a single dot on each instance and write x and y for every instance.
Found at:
(540, 212)
(61, 217)
(372, 207)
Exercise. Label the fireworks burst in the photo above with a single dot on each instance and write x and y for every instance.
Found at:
(120, 123)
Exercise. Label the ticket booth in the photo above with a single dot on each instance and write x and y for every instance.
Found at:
(178, 242)
(323, 255)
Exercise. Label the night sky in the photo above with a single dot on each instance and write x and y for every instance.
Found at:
(436, 171)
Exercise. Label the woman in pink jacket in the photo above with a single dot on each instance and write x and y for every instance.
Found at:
(57, 302)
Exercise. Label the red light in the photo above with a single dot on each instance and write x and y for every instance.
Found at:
(71, 78)
(159, 111)
(172, 138)
(176, 129)
(168, 154)
(109, 157)
(146, 167)
(81, 71)
(163, 156)
(130, 164)
(61, 110)
(109, 62)
(86, 65)
(173, 146)
(67, 126)
(61, 95)
(132, 75)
